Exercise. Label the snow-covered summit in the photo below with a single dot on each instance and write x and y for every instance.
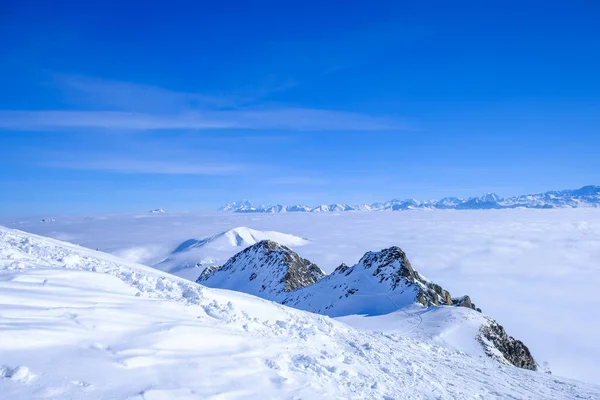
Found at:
(587, 196)
(381, 282)
(238, 206)
(241, 236)
(266, 269)
(158, 211)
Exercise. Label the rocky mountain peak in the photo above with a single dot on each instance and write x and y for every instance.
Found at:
(266, 269)
(392, 265)
(389, 262)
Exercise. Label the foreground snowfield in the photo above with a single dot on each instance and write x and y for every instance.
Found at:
(79, 324)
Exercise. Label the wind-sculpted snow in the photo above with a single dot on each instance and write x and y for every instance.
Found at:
(79, 324)
(587, 196)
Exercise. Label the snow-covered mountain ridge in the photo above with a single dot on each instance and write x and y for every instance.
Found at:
(380, 283)
(587, 196)
(81, 324)
(265, 269)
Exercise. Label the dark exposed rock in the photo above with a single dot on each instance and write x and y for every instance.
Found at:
(465, 301)
(494, 338)
(207, 272)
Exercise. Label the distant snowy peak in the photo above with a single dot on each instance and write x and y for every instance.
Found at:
(321, 208)
(380, 283)
(266, 269)
(240, 237)
(587, 196)
(238, 206)
(449, 202)
(158, 211)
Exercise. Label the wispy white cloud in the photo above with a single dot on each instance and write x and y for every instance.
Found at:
(108, 105)
(108, 120)
(148, 167)
(282, 118)
(137, 97)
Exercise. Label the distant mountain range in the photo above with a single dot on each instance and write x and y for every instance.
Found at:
(587, 196)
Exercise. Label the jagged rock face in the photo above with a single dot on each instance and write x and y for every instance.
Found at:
(503, 348)
(265, 269)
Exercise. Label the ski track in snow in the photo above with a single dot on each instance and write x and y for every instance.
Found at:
(79, 324)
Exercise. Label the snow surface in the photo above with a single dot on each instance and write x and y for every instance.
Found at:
(79, 324)
(452, 327)
(527, 268)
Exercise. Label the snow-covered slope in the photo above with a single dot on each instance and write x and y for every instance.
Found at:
(80, 324)
(380, 283)
(587, 196)
(194, 254)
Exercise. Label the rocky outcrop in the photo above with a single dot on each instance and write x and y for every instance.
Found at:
(465, 301)
(504, 348)
(265, 269)
(207, 272)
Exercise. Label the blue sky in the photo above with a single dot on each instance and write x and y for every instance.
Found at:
(118, 107)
